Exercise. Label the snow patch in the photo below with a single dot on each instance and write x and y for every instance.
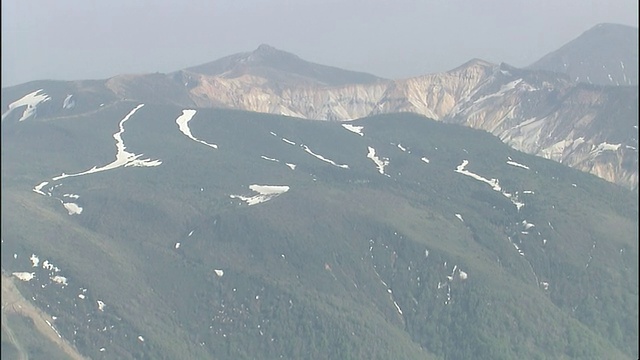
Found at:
(100, 305)
(269, 159)
(34, 260)
(460, 217)
(72, 208)
(59, 279)
(219, 272)
(24, 276)
(425, 159)
(265, 193)
(604, 147)
(401, 147)
(38, 188)
(69, 102)
(306, 148)
(291, 166)
(354, 129)
(123, 157)
(513, 163)
(183, 125)
(288, 141)
(31, 101)
(494, 183)
(380, 163)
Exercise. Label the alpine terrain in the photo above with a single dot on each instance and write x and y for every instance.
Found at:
(201, 214)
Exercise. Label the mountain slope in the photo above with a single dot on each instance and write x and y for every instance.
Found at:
(244, 235)
(606, 54)
(591, 128)
(280, 67)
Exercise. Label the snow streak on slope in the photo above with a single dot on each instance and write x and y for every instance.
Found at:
(353, 128)
(380, 163)
(513, 163)
(183, 124)
(265, 193)
(31, 101)
(494, 183)
(306, 148)
(38, 188)
(123, 157)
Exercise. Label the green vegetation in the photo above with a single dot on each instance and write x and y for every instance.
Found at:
(349, 263)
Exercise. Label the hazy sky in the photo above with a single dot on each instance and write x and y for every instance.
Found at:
(81, 39)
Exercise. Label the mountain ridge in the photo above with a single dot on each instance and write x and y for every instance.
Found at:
(497, 98)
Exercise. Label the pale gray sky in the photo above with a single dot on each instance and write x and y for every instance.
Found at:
(80, 39)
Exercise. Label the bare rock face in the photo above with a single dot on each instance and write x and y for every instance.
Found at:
(588, 127)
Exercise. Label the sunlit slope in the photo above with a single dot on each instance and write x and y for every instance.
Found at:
(168, 233)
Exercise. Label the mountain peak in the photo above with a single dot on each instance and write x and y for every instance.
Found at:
(265, 48)
(605, 54)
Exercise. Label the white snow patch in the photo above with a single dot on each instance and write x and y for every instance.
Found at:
(397, 307)
(31, 100)
(460, 217)
(219, 272)
(503, 89)
(102, 349)
(190, 233)
(183, 125)
(49, 266)
(380, 163)
(68, 102)
(425, 159)
(266, 192)
(528, 192)
(59, 279)
(72, 196)
(288, 141)
(292, 166)
(24, 276)
(72, 208)
(494, 183)
(270, 159)
(463, 275)
(34, 260)
(100, 305)
(123, 157)
(306, 148)
(513, 163)
(177, 245)
(38, 188)
(354, 129)
(604, 147)
(141, 338)
(81, 296)
(527, 225)
(401, 147)
(545, 285)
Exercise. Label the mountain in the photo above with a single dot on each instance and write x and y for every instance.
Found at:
(156, 231)
(588, 127)
(606, 54)
(278, 66)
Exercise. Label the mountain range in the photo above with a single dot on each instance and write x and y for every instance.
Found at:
(589, 127)
(201, 214)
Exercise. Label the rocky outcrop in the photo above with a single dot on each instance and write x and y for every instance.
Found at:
(591, 128)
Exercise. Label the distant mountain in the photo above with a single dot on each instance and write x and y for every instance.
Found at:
(589, 127)
(278, 66)
(606, 54)
(157, 231)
